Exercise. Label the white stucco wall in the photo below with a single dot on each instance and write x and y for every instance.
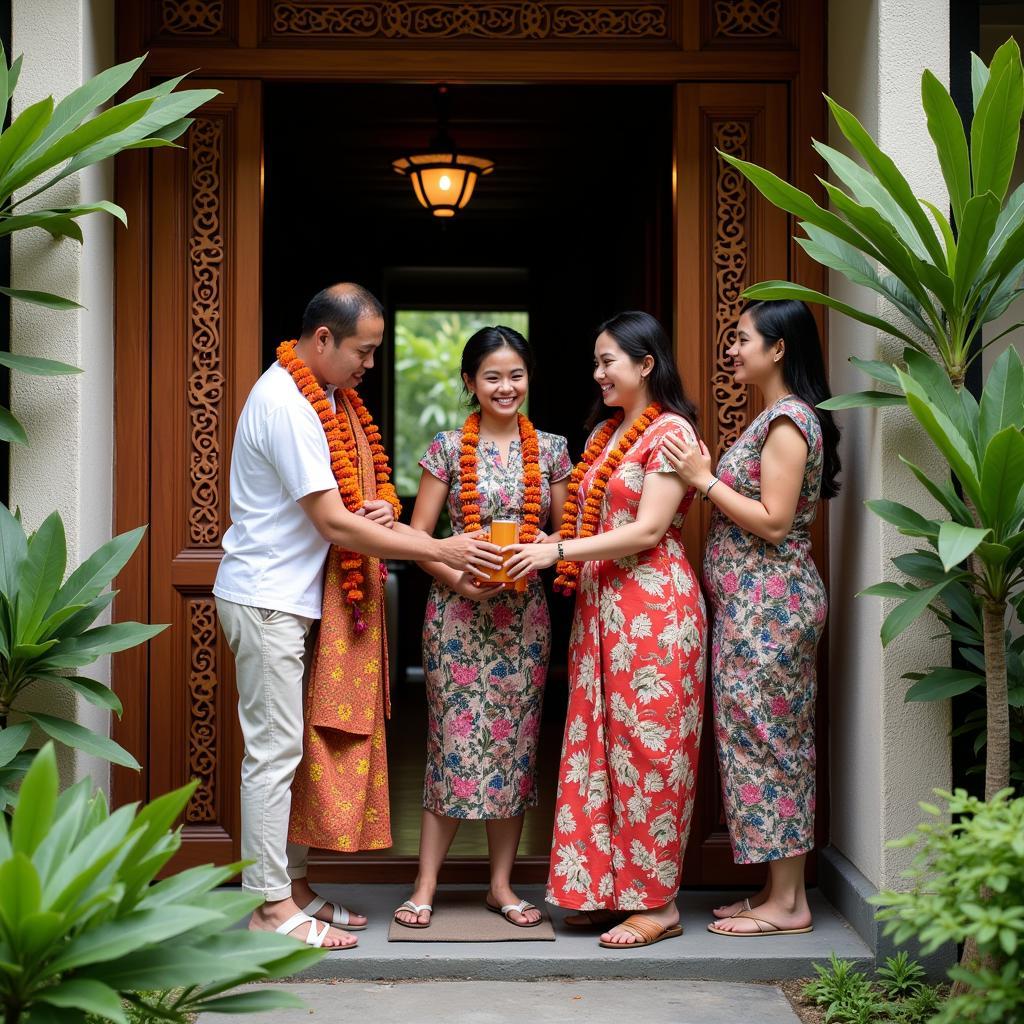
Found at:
(885, 755)
(68, 464)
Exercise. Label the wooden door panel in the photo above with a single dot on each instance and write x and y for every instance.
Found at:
(205, 358)
(727, 237)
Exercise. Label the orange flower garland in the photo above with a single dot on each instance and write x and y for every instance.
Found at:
(568, 572)
(341, 443)
(469, 495)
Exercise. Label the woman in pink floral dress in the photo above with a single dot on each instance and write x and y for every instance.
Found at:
(485, 647)
(769, 608)
(636, 660)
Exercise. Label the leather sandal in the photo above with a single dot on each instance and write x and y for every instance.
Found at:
(340, 917)
(647, 931)
(764, 928)
(315, 936)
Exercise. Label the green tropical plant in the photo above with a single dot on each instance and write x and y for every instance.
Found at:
(967, 880)
(943, 281)
(47, 634)
(84, 925)
(46, 143)
(900, 977)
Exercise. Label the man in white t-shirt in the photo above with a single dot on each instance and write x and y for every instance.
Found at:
(286, 512)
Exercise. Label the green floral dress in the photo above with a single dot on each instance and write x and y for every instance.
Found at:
(486, 661)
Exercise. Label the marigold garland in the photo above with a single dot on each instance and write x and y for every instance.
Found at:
(469, 495)
(568, 572)
(341, 443)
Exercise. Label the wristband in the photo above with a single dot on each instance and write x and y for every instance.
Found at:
(707, 493)
(561, 552)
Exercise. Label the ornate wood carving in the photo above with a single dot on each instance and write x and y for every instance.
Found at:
(205, 386)
(202, 695)
(730, 258)
(191, 17)
(457, 20)
(735, 23)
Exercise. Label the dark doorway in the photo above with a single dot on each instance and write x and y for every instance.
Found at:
(573, 225)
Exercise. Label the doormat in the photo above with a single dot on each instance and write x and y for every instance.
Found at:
(462, 917)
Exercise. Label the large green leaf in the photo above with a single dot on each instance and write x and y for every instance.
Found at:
(979, 79)
(943, 683)
(251, 1002)
(74, 619)
(1002, 397)
(942, 491)
(884, 373)
(91, 690)
(12, 739)
(96, 572)
(935, 383)
(13, 550)
(862, 400)
(946, 128)
(11, 431)
(47, 299)
(27, 127)
(956, 542)
(1002, 478)
(787, 290)
(995, 130)
(910, 609)
(890, 177)
(1011, 216)
(72, 734)
(108, 123)
(58, 225)
(88, 646)
(86, 994)
(908, 521)
(42, 573)
(976, 231)
(19, 883)
(37, 801)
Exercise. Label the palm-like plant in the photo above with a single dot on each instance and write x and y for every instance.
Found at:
(943, 281)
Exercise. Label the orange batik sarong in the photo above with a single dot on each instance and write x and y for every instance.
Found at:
(340, 793)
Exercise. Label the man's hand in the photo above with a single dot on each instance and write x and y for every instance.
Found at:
(466, 552)
(378, 511)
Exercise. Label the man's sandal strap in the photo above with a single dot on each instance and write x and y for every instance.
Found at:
(339, 914)
(314, 937)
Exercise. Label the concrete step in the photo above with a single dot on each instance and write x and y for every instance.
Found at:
(697, 954)
(544, 1002)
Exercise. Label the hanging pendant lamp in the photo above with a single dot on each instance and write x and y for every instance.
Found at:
(443, 178)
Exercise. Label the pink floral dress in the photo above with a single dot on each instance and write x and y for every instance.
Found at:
(769, 608)
(628, 771)
(486, 661)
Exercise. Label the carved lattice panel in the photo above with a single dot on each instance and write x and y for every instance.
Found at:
(736, 24)
(192, 22)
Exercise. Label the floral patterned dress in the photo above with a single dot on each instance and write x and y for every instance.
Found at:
(636, 694)
(769, 612)
(486, 661)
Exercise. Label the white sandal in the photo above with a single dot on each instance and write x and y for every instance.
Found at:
(340, 916)
(519, 908)
(413, 908)
(313, 936)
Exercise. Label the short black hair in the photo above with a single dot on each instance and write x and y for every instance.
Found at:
(339, 308)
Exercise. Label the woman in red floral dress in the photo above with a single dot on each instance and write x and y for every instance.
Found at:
(636, 659)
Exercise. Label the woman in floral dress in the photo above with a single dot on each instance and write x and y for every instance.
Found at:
(769, 608)
(636, 661)
(485, 646)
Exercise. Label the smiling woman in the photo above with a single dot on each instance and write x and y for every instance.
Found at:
(428, 388)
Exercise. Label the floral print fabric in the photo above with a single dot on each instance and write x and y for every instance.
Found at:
(636, 694)
(486, 661)
(769, 608)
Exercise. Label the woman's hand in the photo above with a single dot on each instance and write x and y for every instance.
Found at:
(468, 586)
(692, 465)
(527, 558)
(469, 552)
(541, 538)
(378, 511)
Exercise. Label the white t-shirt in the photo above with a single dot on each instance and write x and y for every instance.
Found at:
(273, 554)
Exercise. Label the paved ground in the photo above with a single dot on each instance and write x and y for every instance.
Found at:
(696, 955)
(542, 1002)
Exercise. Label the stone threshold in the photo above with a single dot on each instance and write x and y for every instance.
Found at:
(697, 954)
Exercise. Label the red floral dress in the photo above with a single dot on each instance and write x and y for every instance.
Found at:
(627, 777)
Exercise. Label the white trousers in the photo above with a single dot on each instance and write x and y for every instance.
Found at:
(271, 650)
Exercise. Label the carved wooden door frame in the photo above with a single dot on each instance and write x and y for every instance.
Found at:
(742, 68)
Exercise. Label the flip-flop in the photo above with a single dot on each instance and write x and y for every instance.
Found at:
(745, 906)
(315, 936)
(517, 908)
(647, 932)
(340, 916)
(595, 920)
(413, 908)
(764, 928)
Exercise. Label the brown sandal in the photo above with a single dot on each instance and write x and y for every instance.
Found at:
(647, 932)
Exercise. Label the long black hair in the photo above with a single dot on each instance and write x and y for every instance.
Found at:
(638, 334)
(488, 340)
(803, 370)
